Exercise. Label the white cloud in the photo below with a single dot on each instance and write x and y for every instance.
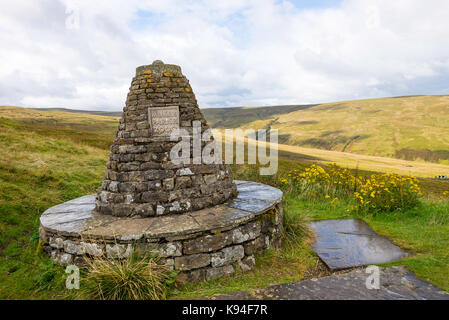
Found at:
(235, 53)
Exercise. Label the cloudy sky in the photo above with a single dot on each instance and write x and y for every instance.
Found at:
(83, 54)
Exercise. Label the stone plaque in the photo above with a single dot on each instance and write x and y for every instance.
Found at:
(163, 120)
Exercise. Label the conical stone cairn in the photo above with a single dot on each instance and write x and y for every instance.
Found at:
(150, 172)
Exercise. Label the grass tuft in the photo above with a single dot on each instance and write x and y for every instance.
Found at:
(295, 229)
(134, 278)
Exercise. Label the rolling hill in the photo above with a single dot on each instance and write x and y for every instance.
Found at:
(98, 130)
(410, 128)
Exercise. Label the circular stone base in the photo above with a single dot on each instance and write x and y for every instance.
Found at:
(203, 244)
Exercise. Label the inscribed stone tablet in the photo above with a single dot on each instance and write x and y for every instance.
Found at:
(163, 120)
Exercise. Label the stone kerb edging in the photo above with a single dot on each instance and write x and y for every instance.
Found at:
(203, 244)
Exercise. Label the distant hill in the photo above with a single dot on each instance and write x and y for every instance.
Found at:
(33, 137)
(239, 116)
(411, 127)
(216, 117)
(98, 113)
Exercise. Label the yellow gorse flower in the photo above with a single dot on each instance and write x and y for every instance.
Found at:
(379, 192)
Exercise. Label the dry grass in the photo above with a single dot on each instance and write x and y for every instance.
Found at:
(364, 162)
(134, 278)
(409, 128)
(61, 120)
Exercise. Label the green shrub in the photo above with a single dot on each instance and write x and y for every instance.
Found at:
(295, 229)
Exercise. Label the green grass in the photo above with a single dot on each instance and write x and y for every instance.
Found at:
(41, 166)
(423, 231)
(59, 156)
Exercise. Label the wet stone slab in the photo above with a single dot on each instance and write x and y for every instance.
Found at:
(351, 243)
(396, 283)
(250, 205)
(257, 191)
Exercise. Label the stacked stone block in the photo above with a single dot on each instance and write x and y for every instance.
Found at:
(141, 180)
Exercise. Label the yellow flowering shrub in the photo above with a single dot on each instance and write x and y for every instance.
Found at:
(387, 192)
(378, 192)
(444, 196)
(315, 181)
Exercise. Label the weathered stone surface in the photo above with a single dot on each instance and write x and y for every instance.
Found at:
(170, 249)
(123, 229)
(65, 259)
(68, 223)
(169, 184)
(184, 172)
(255, 246)
(193, 261)
(227, 256)
(239, 182)
(57, 243)
(210, 178)
(164, 250)
(160, 210)
(250, 205)
(166, 226)
(247, 263)
(247, 232)
(73, 248)
(351, 243)
(221, 217)
(170, 263)
(119, 251)
(90, 224)
(212, 273)
(251, 191)
(208, 243)
(91, 249)
(191, 276)
(396, 283)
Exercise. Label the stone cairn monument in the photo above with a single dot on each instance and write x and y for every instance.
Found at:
(140, 178)
(188, 212)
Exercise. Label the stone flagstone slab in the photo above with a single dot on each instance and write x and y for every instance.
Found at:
(78, 218)
(250, 205)
(257, 191)
(396, 283)
(351, 243)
